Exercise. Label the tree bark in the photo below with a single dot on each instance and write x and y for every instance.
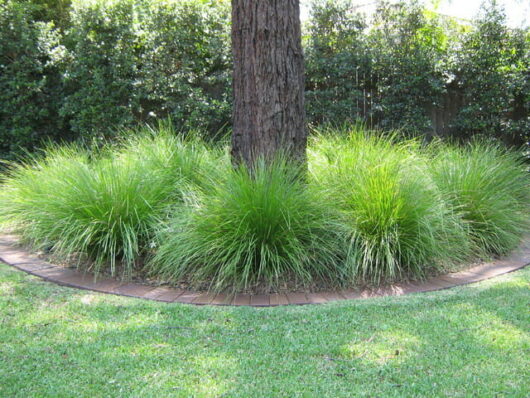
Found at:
(268, 80)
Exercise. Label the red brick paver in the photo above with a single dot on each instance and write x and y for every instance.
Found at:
(204, 298)
(317, 298)
(187, 297)
(241, 299)
(260, 300)
(278, 299)
(222, 299)
(133, 289)
(297, 298)
(169, 295)
(333, 296)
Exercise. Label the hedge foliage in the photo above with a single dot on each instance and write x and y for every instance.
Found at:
(109, 65)
(30, 54)
(83, 70)
(407, 63)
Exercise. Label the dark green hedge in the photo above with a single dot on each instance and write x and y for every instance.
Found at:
(418, 70)
(110, 65)
(30, 94)
(83, 72)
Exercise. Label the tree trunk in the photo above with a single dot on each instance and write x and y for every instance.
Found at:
(268, 80)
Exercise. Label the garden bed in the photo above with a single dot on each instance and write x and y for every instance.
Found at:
(372, 209)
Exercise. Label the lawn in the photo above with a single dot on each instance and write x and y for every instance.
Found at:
(61, 342)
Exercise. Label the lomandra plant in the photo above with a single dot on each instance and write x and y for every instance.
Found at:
(186, 159)
(398, 225)
(490, 187)
(256, 229)
(102, 207)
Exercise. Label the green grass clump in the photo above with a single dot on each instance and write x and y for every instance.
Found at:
(490, 187)
(397, 222)
(184, 159)
(264, 226)
(104, 207)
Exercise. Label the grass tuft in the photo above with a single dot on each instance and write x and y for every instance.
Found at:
(490, 187)
(104, 207)
(259, 227)
(372, 208)
(397, 222)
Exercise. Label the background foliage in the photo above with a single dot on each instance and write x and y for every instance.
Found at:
(414, 69)
(30, 93)
(86, 69)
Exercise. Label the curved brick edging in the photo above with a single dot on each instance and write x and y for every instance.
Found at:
(12, 254)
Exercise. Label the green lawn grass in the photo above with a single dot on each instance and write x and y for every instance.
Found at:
(62, 342)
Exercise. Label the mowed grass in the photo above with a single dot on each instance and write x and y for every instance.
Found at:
(472, 341)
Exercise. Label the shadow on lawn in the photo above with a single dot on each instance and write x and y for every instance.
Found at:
(463, 342)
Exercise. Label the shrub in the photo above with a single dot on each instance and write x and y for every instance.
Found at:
(492, 69)
(30, 87)
(419, 70)
(262, 228)
(398, 225)
(85, 69)
(56, 11)
(100, 90)
(338, 63)
(104, 207)
(185, 63)
(133, 62)
(490, 187)
(408, 50)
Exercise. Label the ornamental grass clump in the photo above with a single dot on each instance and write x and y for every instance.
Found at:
(258, 229)
(398, 224)
(101, 207)
(490, 187)
(184, 158)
